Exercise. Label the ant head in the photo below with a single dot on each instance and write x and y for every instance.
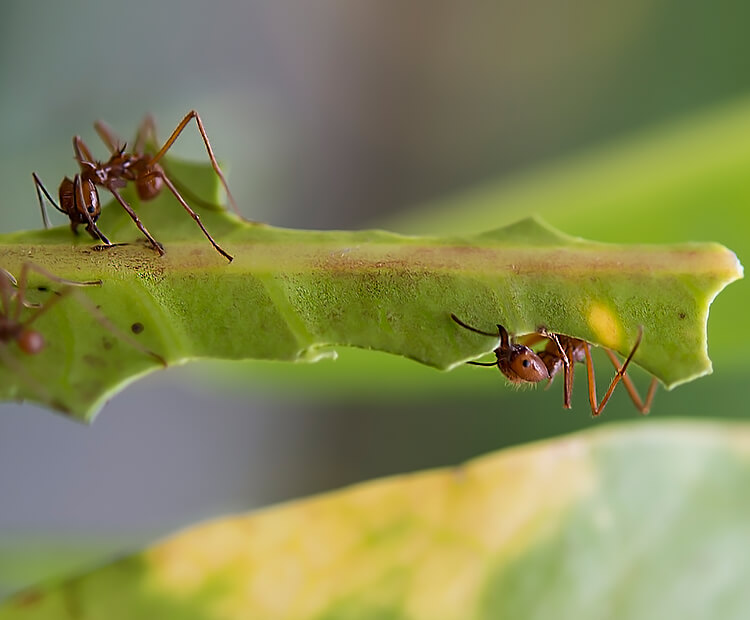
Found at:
(30, 341)
(527, 365)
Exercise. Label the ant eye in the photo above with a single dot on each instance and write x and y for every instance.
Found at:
(91, 209)
(525, 363)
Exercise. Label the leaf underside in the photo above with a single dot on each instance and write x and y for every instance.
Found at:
(292, 295)
(562, 529)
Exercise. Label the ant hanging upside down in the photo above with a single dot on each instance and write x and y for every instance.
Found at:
(79, 198)
(521, 364)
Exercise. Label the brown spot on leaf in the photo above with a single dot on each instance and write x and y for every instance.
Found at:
(137, 328)
(94, 360)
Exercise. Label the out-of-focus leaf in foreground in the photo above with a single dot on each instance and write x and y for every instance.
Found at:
(637, 522)
(291, 295)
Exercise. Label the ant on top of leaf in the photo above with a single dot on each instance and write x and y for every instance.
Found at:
(79, 197)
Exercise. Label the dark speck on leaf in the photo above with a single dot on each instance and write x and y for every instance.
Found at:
(137, 328)
(42, 289)
(682, 315)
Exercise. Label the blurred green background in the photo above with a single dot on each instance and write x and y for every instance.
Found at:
(348, 115)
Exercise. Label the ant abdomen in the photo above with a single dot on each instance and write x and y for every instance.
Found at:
(149, 187)
(30, 341)
(148, 179)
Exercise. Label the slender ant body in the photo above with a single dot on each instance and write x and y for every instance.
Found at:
(521, 364)
(79, 196)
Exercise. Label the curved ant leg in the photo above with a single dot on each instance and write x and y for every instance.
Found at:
(195, 216)
(189, 195)
(145, 135)
(596, 409)
(28, 266)
(22, 283)
(6, 281)
(91, 227)
(109, 137)
(175, 134)
(568, 373)
(530, 340)
(156, 245)
(643, 407)
(81, 151)
(39, 190)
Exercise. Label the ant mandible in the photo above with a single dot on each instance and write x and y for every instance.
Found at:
(521, 364)
(79, 198)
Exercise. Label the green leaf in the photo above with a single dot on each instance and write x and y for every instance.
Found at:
(564, 529)
(683, 180)
(291, 295)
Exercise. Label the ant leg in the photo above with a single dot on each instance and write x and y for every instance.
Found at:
(175, 134)
(109, 137)
(21, 292)
(187, 194)
(157, 246)
(568, 374)
(39, 190)
(28, 266)
(146, 134)
(596, 409)
(81, 151)
(566, 355)
(563, 353)
(50, 303)
(643, 407)
(91, 228)
(195, 216)
(530, 340)
(6, 281)
(22, 284)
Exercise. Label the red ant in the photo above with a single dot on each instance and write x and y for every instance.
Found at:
(79, 198)
(521, 364)
(30, 341)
